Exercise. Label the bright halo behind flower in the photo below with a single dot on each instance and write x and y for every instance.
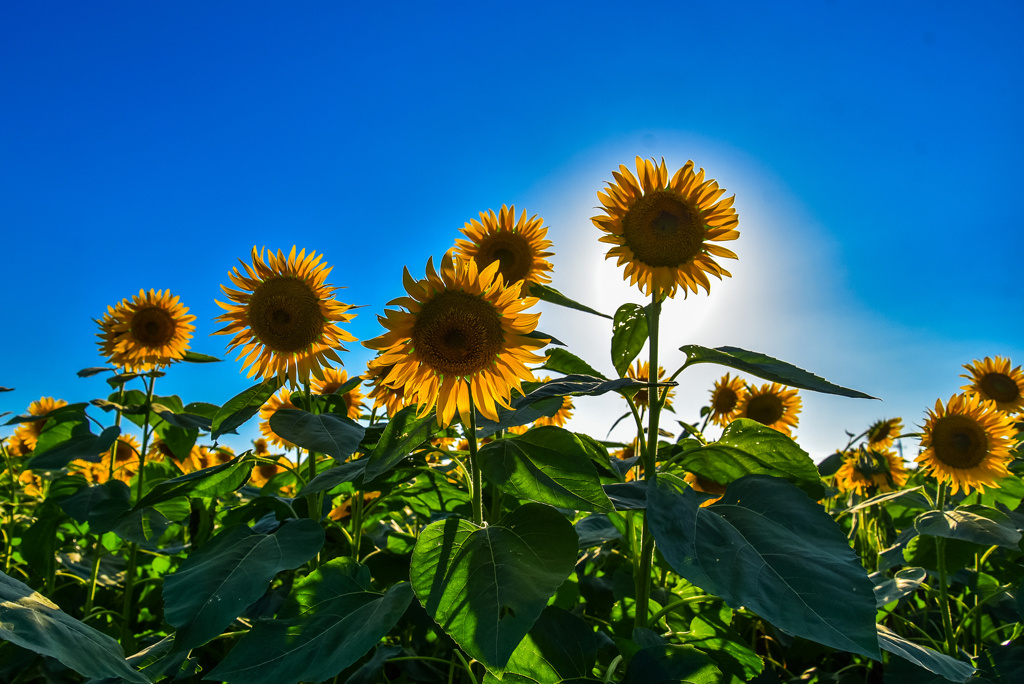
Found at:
(995, 380)
(882, 433)
(726, 397)
(866, 471)
(664, 230)
(462, 334)
(284, 316)
(332, 382)
(772, 405)
(641, 370)
(517, 245)
(148, 331)
(967, 443)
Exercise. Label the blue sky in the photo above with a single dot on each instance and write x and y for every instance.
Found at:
(873, 150)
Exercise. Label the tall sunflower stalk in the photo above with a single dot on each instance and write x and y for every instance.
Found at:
(650, 460)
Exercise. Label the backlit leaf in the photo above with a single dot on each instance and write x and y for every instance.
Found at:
(629, 335)
(243, 406)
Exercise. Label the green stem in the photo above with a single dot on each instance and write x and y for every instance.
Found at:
(97, 554)
(145, 438)
(357, 523)
(117, 423)
(478, 494)
(9, 467)
(650, 459)
(127, 638)
(940, 554)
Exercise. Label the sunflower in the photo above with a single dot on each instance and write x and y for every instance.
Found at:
(263, 473)
(664, 230)
(707, 486)
(392, 398)
(16, 446)
(281, 400)
(332, 382)
(31, 484)
(148, 331)
(882, 433)
(284, 316)
(463, 335)
(641, 370)
(517, 246)
(28, 432)
(726, 397)
(869, 470)
(561, 416)
(125, 462)
(967, 443)
(994, 380)
(772, 405)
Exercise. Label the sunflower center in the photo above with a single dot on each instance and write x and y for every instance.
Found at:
(152, 327)
(959, 441)
(511, 251)
(1000, 387)
(284, 313)
(662, 229)
(124, 452)
(725, 400)
(766, 409)
(457, 334)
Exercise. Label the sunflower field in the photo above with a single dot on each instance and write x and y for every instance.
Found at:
(430, 518)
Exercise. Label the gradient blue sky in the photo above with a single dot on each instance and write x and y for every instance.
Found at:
(874, 150)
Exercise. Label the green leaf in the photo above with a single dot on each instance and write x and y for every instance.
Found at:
(206, 483)
(216, 583)
(710, 633)
(916, 501)
(670, 664)
(547, 464)
(903, 583)
(933, 661)
(329, 479)
(581, 385)
(195, 357)
(992, 529)
(522, 416)
(765, 367)
(67, 437)
(99, 505)
(487, 586)
(629, 335)
(549, 294)
(337, 436)
(331, 618)
(595, 530)
(567, 363)
(627, 496)
(39, 541)
(431, 493)
(29, 620)
(242, 407)
(181, 419)
(749, 448)
(404, 432)
(768, 547)
(559, 648)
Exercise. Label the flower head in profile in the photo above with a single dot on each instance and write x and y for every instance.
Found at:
(967, 443)
(517, 245)
(332, 382)
(726, 397)
(882, 433)
(772, 405)
(284, 317)
(995, 380)
(665, 230)
(282, 399)
(462, 335)
(393, 399)
(869, 470)
(145, 332)
(28, 432)
(641, 370)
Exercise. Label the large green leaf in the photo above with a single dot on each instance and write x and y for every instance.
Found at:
(547, 464)
(206, 483)
(671, 664)
(404, 432)
(629, 335)
(337, 436)
(765, 367)
(931, 660)
(903, 583)
(966, 523)
(581, 385)
(216, 583)
(546, 293)
(731, 652)
(567, 363)
(330, 619)
(67, 436)
(519, 416)
(329, 479)
(487, 586)
(559, 648)
(30, 620)
(242, 407)
(749, 448)
(768, 547)
(99, 505)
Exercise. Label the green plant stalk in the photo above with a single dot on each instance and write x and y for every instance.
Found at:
(940, 557)
(650, 458)
(97, 553)
(357, 523)
(8, 546)
(478, 494)
(117, 424)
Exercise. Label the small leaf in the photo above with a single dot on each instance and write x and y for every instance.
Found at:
(993, 529)
(916, 501)
(331, 618)
(931, 660)
(99, 505)
(629, 335)
(487, 586)
(547, 464)
(94, 370)
(546, 337)
(67, 437)
(195, 357)
(243, 406)
(904, 583)
(581, 385)
(206, 483)
(765, 367)
(347, 387)
(595, 530)
(329, 479)
(549, 294)
(181, 419)
(6, 389)
(562, 361)
(337, 436)
(29, 620)
(216, 583)
(523, 416)
(403, 433)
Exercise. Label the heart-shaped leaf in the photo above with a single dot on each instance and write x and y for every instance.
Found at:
(629, 335)
(337, 436)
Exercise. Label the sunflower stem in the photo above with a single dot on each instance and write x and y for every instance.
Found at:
(478, 499)
(650, 459)
(940, 557)
(9, 469)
